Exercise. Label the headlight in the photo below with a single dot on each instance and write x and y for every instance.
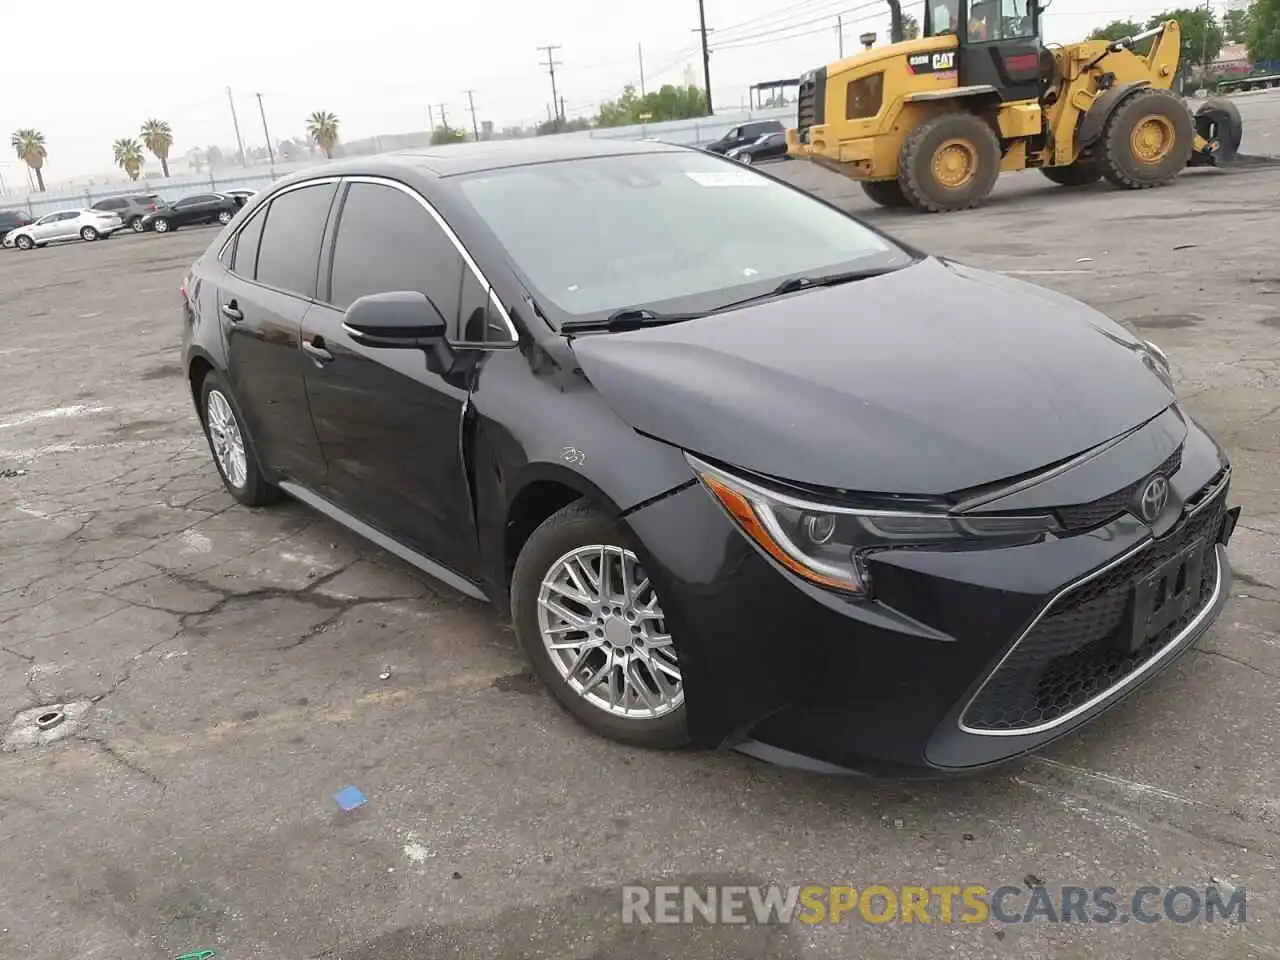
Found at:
(829, 545)
(1158, 363)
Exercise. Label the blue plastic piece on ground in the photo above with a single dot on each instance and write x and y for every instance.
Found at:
(348, 798)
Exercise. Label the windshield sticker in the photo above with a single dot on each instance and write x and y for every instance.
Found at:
(727, 178)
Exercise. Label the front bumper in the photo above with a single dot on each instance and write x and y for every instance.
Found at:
(966, 658)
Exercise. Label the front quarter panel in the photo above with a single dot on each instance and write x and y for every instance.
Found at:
(538, 419)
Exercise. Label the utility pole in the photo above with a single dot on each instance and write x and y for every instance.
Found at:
(265, 132)
(563, 118)
(244, 161)
(471, 100)
(431, 118)
(551, 68)
(706, 54)
(1204, 49)
(444, 117)
(840, 33)
(640, 54)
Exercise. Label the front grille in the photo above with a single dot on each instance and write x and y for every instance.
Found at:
(811, 105)
(1086, 516)
(1069, 657)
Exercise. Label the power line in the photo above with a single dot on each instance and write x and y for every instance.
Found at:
(775, 17)
(825, 18)
(551, 68)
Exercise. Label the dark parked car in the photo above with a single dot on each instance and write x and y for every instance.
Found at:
(748, 472)
(12, 220)
(203, 208)
(746, 133)
(132, 210)
(768, 146)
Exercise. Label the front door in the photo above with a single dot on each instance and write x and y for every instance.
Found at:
(1001, 48)
(390, 428)
(264, 296)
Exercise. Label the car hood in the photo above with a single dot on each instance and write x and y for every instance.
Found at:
(930, 380)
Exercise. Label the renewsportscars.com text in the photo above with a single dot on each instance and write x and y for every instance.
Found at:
(938, 903)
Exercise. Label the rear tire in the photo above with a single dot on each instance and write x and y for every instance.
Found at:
(88, 234)
(234, 452)
(1147, 140)
(224, 217)
(1218, 119)
(886, 193)
(1078, 174)
(136, 225)
(626, 634)
(949, 162)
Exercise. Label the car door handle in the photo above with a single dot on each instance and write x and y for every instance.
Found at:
(232, 312)
(316, 351)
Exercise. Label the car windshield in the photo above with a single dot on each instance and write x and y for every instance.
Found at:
(672, 231)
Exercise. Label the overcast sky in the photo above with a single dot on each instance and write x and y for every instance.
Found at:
(86, 73)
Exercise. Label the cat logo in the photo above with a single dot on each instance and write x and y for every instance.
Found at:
(932, 62)
(944, 61)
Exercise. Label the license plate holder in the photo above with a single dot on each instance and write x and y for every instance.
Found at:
(1164, 595)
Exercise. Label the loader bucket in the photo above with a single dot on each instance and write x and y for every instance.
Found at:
(1218, 122)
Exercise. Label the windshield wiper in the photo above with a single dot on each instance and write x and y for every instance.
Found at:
(795, 284)
(629, 318)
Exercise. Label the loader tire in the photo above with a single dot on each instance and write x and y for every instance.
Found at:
(1147, 140)
(949, 162)
(887, 193)
(1078, 174)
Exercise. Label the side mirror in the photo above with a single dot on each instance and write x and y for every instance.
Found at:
(401, 320)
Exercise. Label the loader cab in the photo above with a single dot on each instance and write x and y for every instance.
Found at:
(998, 43)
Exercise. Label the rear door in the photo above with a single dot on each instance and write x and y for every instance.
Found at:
(267, 287)
(391, 428)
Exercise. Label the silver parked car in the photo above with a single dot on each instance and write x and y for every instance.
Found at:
(64, 225)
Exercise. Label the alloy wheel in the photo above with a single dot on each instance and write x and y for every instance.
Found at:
(226, 439)
(88, 234)
(605, 632)
(137, 225)
(162, 226)
(224, 217)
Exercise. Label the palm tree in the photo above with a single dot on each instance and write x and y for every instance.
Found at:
(129, 156)
(157, 136)
(322, 128)
(28, 143)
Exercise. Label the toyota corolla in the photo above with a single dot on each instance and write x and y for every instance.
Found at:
(742, 470)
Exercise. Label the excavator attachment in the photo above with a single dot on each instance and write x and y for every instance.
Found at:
(1218, 134)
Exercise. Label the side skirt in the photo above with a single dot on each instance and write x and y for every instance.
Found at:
(372, 534)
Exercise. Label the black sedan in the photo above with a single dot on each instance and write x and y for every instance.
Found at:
(746, 473)
(768, 146)
(12, 220)
(202, 208)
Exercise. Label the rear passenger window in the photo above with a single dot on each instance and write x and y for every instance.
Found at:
(387, 241)
(289, 249)
(244, 258)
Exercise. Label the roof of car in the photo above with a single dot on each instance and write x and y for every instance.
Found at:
(459, 158)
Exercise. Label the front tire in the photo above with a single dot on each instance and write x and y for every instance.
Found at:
(949, 162)
(24, 243)
(88, 234)
(886, 193)
(161, 225)
(590, 621)
(234, 453)
(1147, 140)
(1078, 174)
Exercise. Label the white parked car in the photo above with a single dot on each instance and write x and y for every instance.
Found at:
(64, 225)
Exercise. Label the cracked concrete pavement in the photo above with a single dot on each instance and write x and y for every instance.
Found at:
(235, 659)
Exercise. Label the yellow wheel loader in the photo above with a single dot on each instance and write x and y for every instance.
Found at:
(932, 122)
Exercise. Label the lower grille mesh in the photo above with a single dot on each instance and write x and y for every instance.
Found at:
(1068, 657)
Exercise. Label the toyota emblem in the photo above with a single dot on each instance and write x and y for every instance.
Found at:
(1154, 496)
